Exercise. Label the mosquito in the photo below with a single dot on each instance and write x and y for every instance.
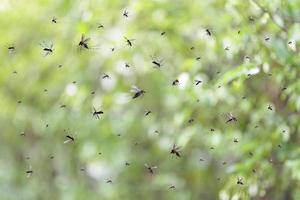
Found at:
(270, 107)
(137, 91)
(198, 82)
(150, 168)
(47, 49)
(125, 13)
(54, 20)
(235, 140)
(172, 187)
(157, 63)
(240, 181)
(104, 76)
(69, 139)
(148, 112)
(100, 26)
(208, 32)
(163, 33)
(29, 172)
(127, 65)
(97, 113)
(83, 42)
(231, 118)
(175, 150)
(176, 82)
(11, 48)
(109, 181)
(129, 41)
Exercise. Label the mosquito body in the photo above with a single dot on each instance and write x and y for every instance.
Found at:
(105, 76)
(175, 82)
(47, 49)
(83, 43)
(125, 13)
(175, 150)
(198, 82)
(137, 92)
(240, 181)
(97, 113)
(150, 168)
(129, 41)
(54, 20)
(231, 118)
(69, 139)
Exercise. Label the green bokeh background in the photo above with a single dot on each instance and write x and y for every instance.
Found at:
(266, 156)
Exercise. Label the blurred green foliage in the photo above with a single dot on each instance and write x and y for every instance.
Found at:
(249, 63)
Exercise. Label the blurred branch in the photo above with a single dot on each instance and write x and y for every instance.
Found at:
(270, 14)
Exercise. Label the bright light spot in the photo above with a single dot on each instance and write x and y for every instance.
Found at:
(71, 89)
(183, 79)
(108, 83)
(98, 170)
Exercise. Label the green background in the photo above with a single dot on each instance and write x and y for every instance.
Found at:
(243, 80)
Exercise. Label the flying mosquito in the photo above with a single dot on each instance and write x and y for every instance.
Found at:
(125, 13)
(129, 41)
(29, 172)
(175, 150)
(127, 65)
(198, 82)
(47, 49)
(235, 140)
(270, 107)
(150, 168)
(148, 112)
(100, 26)
(104, 76)
(11, 48)
(97, 113)
(54, 20)
(208, 32)
(175, 82)
(157, 63)
(172, 187)
(137, 91)
(83, 44)
(240, 181)
(69, 139)
(109, 181)
(230, 118)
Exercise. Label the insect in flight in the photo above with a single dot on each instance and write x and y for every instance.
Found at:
(125, 13)
(150, 168)
(157, 63)
(137, 91)
(175, 150)
(172, 187)
(175, 82)
(270, 107)
(69, 139)
(129, 41)
(54, 20)
(104, 76)
(198, 82)
(83, 44)
(97, 113)
(100, 26)
(148, 112)
(47, 49)
(230, 118)
(29, 172)
(208, 32)
(240, 181)
(127, 65)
